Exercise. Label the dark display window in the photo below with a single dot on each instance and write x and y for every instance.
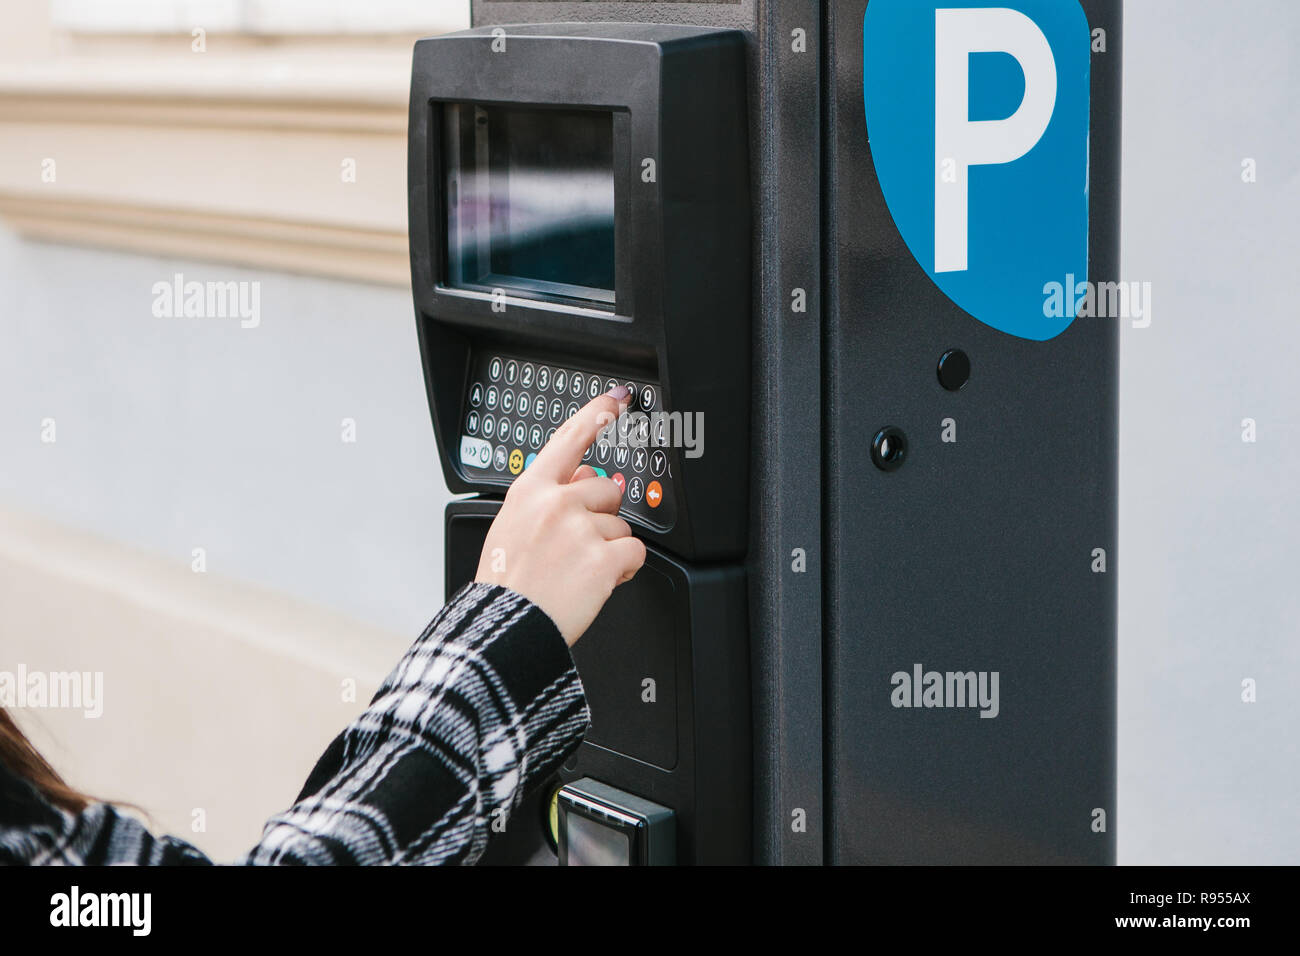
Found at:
(530, 201)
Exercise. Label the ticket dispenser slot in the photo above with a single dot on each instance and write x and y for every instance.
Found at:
(579, 211)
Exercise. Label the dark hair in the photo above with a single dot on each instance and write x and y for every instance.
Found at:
(25, 761)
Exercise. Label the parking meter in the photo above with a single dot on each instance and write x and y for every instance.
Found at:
(850, 257)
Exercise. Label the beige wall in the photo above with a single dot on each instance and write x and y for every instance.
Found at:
(217, 696)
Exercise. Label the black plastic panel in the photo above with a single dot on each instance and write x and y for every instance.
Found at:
(688, 749)
(970, 556)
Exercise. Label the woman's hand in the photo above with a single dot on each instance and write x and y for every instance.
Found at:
(558, 539)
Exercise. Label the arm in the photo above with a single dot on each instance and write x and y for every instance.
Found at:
(486, 703)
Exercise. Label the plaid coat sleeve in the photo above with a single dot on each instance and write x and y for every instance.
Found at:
(486, 703)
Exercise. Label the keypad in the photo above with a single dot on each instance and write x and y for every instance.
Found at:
(514, 405)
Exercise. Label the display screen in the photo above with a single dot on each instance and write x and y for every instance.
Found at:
(530, 200)
(594, 844)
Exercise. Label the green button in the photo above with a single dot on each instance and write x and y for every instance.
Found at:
(601, 472)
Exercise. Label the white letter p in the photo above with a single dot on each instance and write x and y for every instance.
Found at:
(957, 34)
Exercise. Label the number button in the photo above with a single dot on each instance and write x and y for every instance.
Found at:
(526, 375)
(658, 463)
(611, 384)
(631, 395)
(543, 378)
(471, 422)
(494, 369)
(576, 384)
(560, 381)
(512, 372)
(648, 398)
(476, 394)
(593, 387)
(490, 399)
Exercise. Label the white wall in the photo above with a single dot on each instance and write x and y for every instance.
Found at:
(1209, 525)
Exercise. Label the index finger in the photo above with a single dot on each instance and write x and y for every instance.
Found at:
(563, 453)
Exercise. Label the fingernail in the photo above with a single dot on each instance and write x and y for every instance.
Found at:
(619, 393)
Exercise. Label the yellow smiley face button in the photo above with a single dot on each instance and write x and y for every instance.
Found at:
(516, 462)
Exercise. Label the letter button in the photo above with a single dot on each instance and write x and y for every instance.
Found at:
(658, 463)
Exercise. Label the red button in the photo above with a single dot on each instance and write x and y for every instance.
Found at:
(654, 494)
(619, 480)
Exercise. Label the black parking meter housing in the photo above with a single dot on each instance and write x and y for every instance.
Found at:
(676, 320)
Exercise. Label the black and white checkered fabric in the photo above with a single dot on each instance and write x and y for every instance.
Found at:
(483, 706)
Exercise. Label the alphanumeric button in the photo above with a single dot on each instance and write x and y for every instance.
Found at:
(526, 373)
(648, 398)
(520, 433)
(535, 436)
(658, 463)
(523, 404)
(550, 433)
(602, 450)
(512, 372)
(639, 459)
(490, 399)
(631, 395)
(476, 394)
(557, 409)
(593, 386)
(539, 408)
(642, 433)
(489, 426)
(560, 381)
(494, 369)
(611, 384)
(635, 489)
(586, 455)
(507, 401)
(543, 378)
(571, 410)
(471, 423)
(620, 456)
(577, 382)
(659, 433)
